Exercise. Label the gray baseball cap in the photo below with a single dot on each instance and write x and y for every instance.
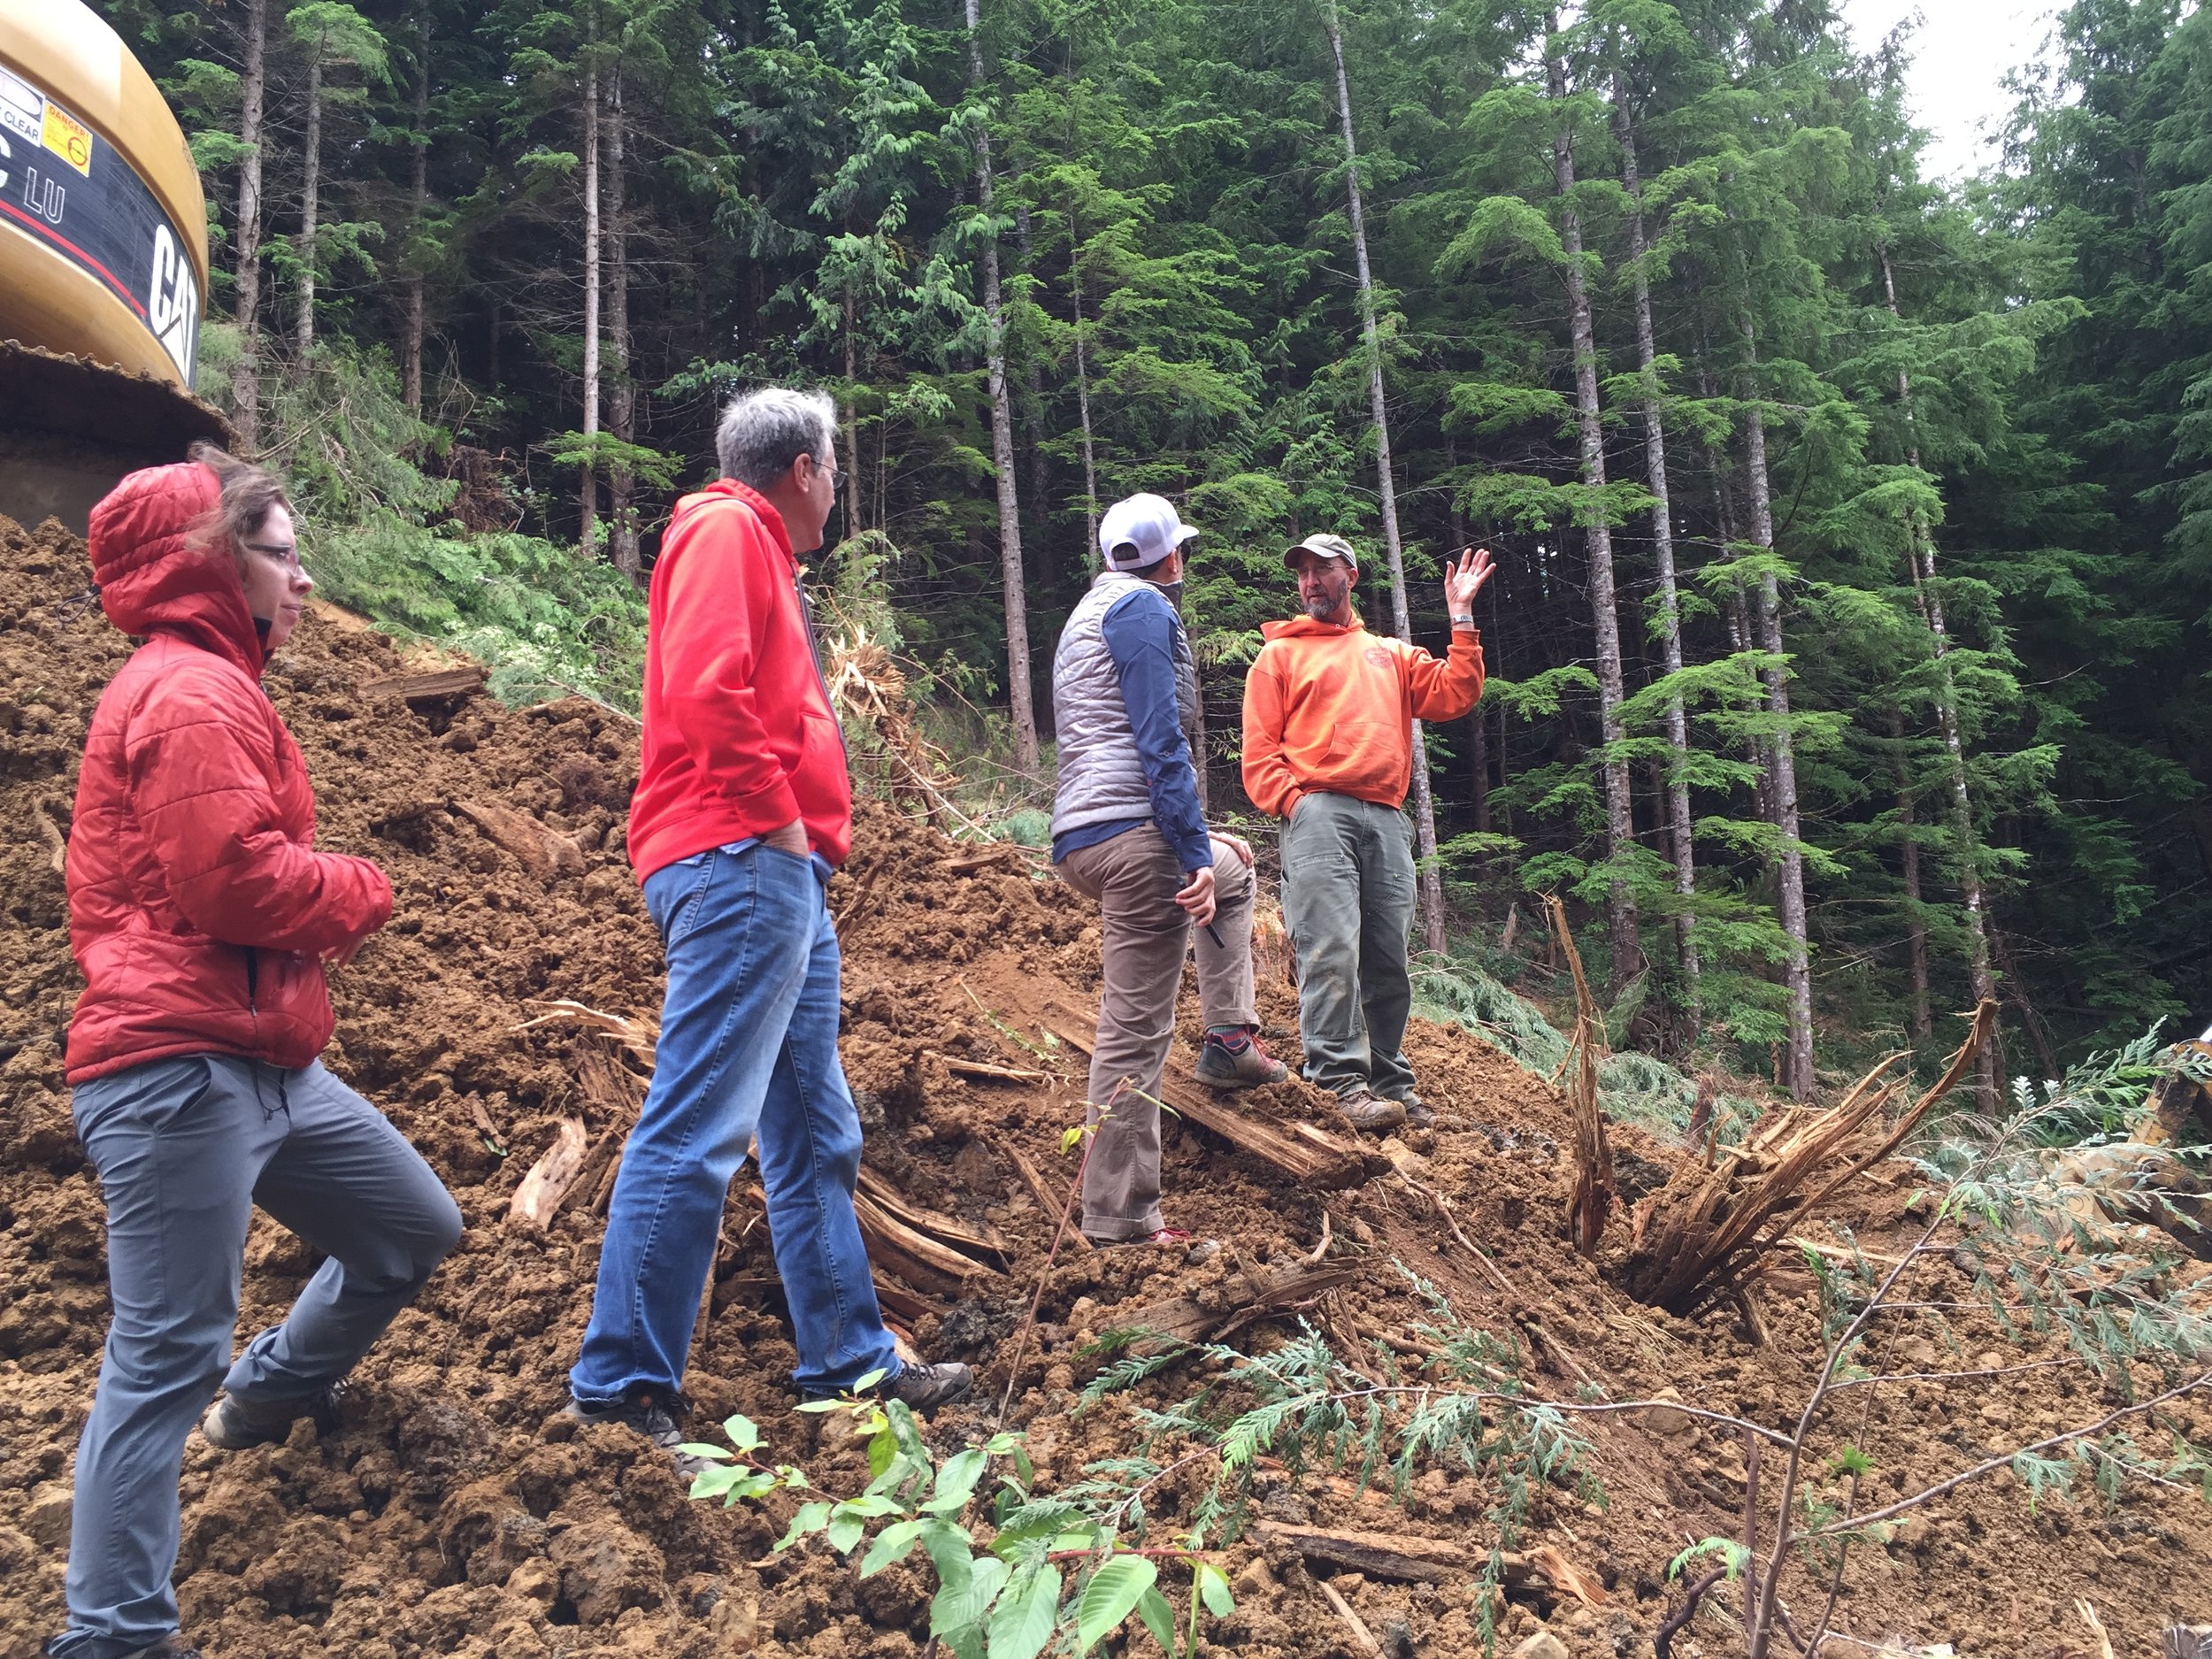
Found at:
(1327, 546)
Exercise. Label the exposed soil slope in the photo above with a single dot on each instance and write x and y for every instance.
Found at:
(456, 1513)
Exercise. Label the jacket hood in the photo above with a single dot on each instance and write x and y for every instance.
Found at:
(153, 580)
(730, 490)
(1307, 628)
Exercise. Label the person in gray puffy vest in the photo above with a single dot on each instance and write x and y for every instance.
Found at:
(1127, 831)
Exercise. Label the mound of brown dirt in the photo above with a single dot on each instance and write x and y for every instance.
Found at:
(456, 1513)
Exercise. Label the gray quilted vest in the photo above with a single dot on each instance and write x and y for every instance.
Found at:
(1102, 778)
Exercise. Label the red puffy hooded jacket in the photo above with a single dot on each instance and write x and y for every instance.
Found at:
(198, 908)
(740, 739)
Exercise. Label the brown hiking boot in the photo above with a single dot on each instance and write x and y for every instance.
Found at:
(1249, 1066)
(1417, 1110)
(1368, 1112)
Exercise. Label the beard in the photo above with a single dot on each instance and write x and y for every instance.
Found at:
(1322, 607)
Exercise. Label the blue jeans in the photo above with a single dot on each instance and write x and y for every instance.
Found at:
(748, 1048)
(185, 1148)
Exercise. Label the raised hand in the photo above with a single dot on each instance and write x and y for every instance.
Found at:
(1463, 581)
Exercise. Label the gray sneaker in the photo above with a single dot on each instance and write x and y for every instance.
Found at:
(924, 1388)
(650, 1416)
(235, 1425)
(1368, 1112)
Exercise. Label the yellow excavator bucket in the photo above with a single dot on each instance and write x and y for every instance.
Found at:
(103, 266)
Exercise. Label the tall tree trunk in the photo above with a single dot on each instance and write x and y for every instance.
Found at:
(245, 380)
(310, 182)
(1917, 1021)
(1083, 412)
(1430, 896)
(852, 414)
(1678, 788)
(588, 486)
(1019, 696)
(1782, 758)
(1039, 492)
(622, 398)
(419, 204)
(1620, 811)
(1920, 550)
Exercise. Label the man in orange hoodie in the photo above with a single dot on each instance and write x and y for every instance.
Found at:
(1328, 747)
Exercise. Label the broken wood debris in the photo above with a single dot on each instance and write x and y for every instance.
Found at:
(983, 1069)
(545, 852)
(1306, 1154)
(1234, 1304)
(1049, 1204)
(1706, 1232)
(1596, 1191)
(1407, 1559)
(978, 1239)
(639, 1036)
(538, 1200)
(445, 685)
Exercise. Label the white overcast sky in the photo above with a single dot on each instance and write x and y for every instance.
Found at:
(1962, 50)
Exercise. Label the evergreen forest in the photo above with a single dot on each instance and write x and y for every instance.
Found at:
(1848, 649)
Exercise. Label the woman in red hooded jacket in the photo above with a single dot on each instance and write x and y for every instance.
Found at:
(201, 914)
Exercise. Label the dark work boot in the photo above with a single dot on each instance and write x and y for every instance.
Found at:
(1368, 1112)
(926, 1387)
(1419, 1113)
(235, 1425)
(649, 1415)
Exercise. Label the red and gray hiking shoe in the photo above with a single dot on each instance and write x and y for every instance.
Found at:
(1235, 1060)
(1369, 1112)
(235, 1425)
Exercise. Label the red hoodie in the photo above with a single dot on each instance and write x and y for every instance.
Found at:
(198, 907)
(740, 738)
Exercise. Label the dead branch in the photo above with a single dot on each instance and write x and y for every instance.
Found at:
(1595, 1192)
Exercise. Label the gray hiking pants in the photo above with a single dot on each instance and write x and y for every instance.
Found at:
(184, 1149)
(1134, 877)
(1347, 901)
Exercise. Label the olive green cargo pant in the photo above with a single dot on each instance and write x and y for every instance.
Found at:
(1347, 901)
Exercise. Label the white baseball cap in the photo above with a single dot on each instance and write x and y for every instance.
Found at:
(1141, 530)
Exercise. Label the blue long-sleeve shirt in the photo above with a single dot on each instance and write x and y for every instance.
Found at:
(1140, 632)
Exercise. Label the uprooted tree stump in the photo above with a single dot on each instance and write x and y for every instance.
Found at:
(1705, 1235)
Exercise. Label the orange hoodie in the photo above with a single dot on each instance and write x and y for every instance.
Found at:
(1329, 708)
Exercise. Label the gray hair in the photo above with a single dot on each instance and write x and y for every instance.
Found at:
(762, 433)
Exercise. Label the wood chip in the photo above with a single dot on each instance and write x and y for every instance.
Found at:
(979, 1068)
(539, 1197)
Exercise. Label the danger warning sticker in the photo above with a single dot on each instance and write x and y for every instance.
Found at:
(67, 137)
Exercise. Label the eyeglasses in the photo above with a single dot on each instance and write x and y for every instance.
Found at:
(285, 553)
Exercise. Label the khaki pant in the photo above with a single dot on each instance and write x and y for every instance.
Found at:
(1134, 877)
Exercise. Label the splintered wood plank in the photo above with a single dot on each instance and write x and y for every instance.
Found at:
(912, 1253)
(539, 1197)
(1307, 1155)
(1408, 1559)
(980, 1237)
(447, 685)
(545, 852)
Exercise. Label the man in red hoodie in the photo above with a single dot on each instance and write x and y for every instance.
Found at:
(743, 812)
